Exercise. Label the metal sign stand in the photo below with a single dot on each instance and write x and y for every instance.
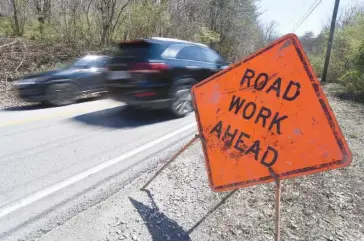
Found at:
(278, 210)
(277, 195)
(169, 162)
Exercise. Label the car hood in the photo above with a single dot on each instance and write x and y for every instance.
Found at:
(52, 73)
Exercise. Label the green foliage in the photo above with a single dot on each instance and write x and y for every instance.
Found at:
(347, 56)
(353, 79)
(145, 19)
(5, 26)
(317, 62)
(353, 82)
(359, 57)
(207, 36)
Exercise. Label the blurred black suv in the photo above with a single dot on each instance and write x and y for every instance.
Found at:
(158, 73)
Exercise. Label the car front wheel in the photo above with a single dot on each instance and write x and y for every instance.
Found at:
(61, 94)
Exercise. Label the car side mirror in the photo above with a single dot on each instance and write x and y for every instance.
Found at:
(222, 65)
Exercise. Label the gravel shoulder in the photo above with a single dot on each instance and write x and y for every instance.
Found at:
(180, 205)
(8, 97)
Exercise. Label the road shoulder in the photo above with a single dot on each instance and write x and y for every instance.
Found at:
(180, 205)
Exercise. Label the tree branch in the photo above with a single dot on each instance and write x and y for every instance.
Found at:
(9, 44)
(25, 54)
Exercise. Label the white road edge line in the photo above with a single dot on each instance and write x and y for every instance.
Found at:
(72, 180)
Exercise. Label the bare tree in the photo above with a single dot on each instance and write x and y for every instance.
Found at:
(16, 24)
(43, 10)
(5, 8)
(229, 26)
(106, 10)
(269, 32)
(347, 16)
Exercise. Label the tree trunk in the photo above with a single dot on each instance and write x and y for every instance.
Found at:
(16, 27)
(43, 8)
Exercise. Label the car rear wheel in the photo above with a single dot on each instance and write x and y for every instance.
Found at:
(182, 101)
(61, 94)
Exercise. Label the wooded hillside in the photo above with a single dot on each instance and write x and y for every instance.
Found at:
(230, 26)
(347, 58)
(48, 32)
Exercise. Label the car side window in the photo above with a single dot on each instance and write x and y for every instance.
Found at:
(212, 56)
(185, 53)
(192, 53)
(199, 54)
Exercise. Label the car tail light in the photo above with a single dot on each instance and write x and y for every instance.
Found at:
(144, 94)
(148, 67)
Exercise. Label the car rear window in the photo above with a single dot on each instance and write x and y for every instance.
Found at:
(138, 50)
(132, 50)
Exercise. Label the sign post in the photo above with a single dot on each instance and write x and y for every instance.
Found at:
(266, 119)
(278, 210)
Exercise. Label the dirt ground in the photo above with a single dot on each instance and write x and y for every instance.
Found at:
(180, 206)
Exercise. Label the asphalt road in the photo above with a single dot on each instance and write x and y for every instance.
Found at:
(57, 162)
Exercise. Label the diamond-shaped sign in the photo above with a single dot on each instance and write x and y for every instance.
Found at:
(267, 116)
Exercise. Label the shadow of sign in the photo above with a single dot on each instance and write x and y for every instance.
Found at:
(160, 227)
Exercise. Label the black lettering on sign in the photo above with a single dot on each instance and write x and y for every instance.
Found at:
(240, 143)
(296, 91)
(267, 157)
(249, 112)
(276, 86)
(254, 149)
(277, 122)
(217, 128)
(235, 102)
(260, 82)
(262, 115)
(228, 136)
(273, 157)
(248, 75)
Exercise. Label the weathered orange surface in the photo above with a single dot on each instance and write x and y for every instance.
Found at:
(306, 141)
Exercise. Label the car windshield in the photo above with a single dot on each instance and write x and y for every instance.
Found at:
(84, 62)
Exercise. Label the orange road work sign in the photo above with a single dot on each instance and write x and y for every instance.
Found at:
(267, 117)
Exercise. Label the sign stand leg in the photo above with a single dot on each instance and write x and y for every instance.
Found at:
(278, 211)
(169, 162)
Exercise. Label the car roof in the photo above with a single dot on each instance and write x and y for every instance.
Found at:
(93, 56)
(162, 40)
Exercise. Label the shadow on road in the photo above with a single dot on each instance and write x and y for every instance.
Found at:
(123, 117)
(160, 227)
(37, 106)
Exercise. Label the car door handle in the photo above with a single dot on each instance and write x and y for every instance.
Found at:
(192, 67)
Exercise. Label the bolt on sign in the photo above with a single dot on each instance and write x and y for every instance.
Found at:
(267, 117)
